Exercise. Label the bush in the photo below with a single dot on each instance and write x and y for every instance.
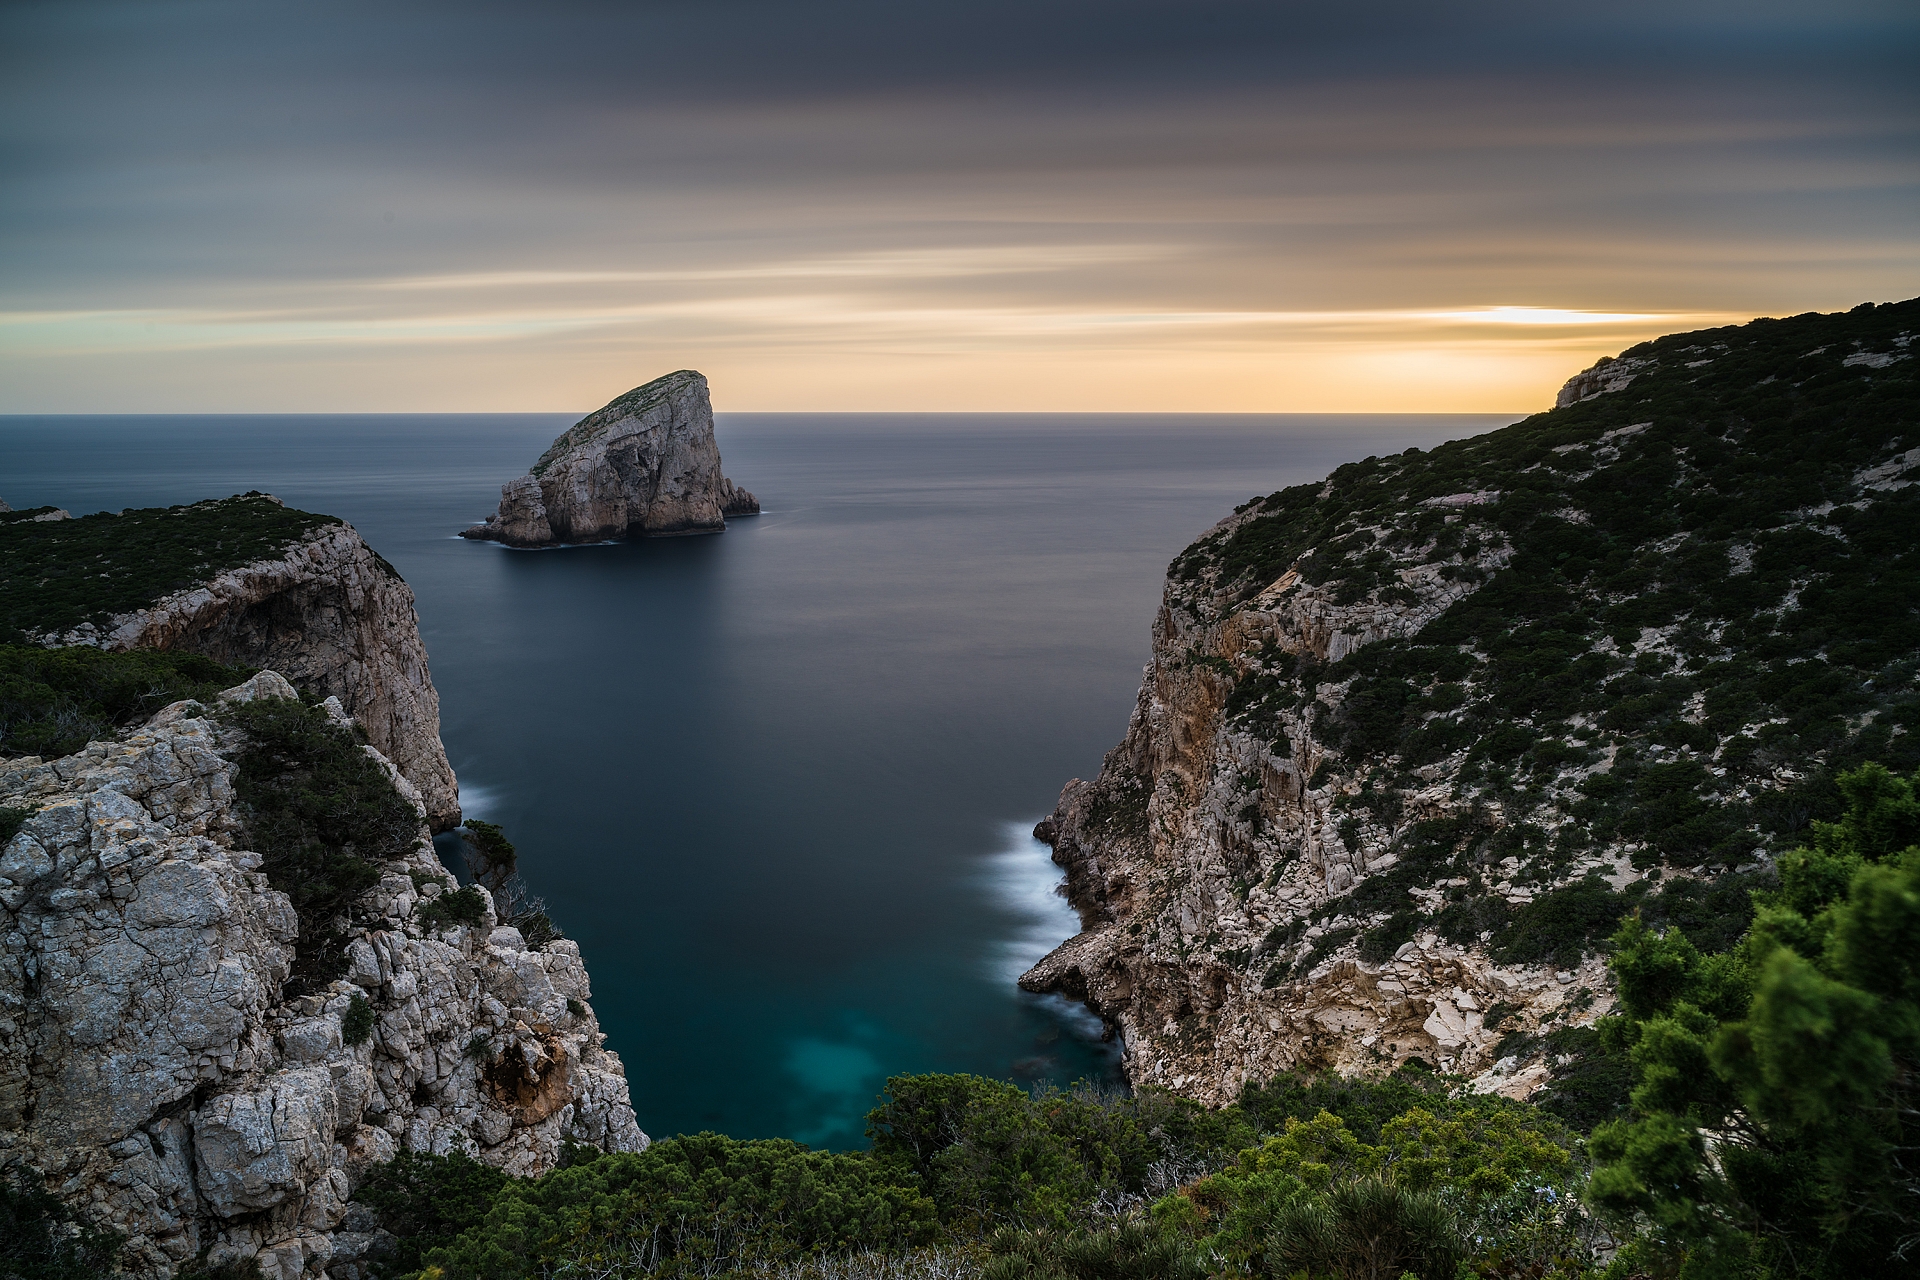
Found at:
(462, 906)
(1131, 1250)
(55, 701)
(42, 1239)
(60, 573)
(426, 1201)
(356, 1025)
(698, 1205)
(322, 815)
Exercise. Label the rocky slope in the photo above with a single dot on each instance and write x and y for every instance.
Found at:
(248, 582)
(150, 1065)
(1412, 740)
(647, 464)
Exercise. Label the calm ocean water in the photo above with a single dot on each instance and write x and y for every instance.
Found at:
(777, 782)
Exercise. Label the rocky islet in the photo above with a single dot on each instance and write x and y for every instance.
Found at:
(646, 465)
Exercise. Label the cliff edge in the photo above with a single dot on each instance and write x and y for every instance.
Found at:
(202, 1050)
(645, 465)
(1414, 739)
(246, 581)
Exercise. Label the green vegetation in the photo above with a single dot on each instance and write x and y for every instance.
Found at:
(55, 701)
(462, 906)
(11, 820)
(494, 863)
(42, 1239)
(58, 574)
(356, 1025)
(1698, 605)
(1795, 1054)
(1326, 1175)
(323, 816)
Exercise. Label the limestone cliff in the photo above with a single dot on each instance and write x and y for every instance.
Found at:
(1414, 739)
(645, 465)
(152, 1069)
(311, 600)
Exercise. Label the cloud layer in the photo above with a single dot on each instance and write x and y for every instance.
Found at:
(1195, 205)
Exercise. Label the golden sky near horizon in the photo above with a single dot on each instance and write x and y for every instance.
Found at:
(1219, 206)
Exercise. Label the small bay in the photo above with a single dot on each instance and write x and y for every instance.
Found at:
(776, 782)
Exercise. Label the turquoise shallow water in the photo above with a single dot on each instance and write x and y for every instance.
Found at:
(777, 782)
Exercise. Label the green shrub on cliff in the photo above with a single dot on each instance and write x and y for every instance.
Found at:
(58, 574)
(42, 1239)
(323, 816)
(55, 701)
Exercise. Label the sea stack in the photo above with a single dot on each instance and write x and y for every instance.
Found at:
(644, 466)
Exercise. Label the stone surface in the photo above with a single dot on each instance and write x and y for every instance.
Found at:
(647, 464)
(1165, 851)
(332, 616)
(151, 1068)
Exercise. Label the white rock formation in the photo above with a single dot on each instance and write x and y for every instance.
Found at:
(645, 465)
(331, 615)
(152, 1070)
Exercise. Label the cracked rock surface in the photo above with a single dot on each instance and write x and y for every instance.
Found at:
(152, 1070)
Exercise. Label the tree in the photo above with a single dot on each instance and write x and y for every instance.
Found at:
(1774, 1115)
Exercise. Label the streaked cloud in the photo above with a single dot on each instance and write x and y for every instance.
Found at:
(831, 203)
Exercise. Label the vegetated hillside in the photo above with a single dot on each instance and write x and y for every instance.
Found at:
(58, 574)
(1416, 737)
(243, 581)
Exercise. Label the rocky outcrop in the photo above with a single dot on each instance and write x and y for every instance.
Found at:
(1414, 739)
(646, 465)
(152, 1070)
(330, 614)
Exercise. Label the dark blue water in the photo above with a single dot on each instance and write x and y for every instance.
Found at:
(777, 782)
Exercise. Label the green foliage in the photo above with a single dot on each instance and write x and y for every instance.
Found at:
(356, 1025)
(42, 1239)
(1695, 576)
(462, 906)
(11, 820)
(698, 1205)
(1797, 1051)
(55, 701)
(57, 574)
(1132, 1250)
(1367, 1228)
(323, 816)
(494, 855)
(1315, 1197)
(426, 1201)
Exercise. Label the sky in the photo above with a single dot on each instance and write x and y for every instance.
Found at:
(1165, 205)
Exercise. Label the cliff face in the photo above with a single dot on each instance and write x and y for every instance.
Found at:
(647, 464)
(323, 608)
(1413, 740)
(150, 1066)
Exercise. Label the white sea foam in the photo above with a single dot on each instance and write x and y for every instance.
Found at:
(477, 801)
(1021, 874)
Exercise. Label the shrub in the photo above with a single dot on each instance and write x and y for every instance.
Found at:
(426, 1201)
(322, 815)
(697, 1205)
(55, 701)
(11, 820)
(463, 906)
(42, 1239)
(60, 573)
(1133, 1250)
(356, 1025)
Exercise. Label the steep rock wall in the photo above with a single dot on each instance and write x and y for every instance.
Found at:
(646, 464)
(331, 615)
(150, 1067)
(1412, 739)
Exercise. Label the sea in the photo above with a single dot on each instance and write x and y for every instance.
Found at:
(779, 783)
